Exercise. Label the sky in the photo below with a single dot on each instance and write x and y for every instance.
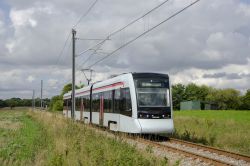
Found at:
(208, 44)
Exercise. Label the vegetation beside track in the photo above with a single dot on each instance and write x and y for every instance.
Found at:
(42, 138)
(23, 141)
(228, 130)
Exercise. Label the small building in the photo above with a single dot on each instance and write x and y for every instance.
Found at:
(197, 105)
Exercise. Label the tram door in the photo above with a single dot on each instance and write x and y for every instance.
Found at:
(81, 109)
(101, 113)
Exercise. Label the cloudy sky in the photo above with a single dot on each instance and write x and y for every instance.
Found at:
(207, 44)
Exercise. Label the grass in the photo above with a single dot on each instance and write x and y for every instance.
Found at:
(227, 130)
(41, 138)
(22, 139)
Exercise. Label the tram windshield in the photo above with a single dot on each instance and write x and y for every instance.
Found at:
(153, 93)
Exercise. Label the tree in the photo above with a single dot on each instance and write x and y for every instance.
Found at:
(195, 92)
(37, 102)
(203, 92)
(11, 103)
(178, 95)
(17, 101)
(245, 105)
(212, 92)
(46, 102)
(225, 98)
(56, 103)
(191, 91)
(3, 103)
(68, 87)
(26, 102)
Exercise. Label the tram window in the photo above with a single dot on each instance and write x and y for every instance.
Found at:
(78, 104)
(117, 101)
(125, 102)
(96, 102)
(86, 103)
(110, 101)
(83, 102)
(69, 104)
(107, 101)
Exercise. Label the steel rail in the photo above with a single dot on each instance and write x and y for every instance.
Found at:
(212, 149)
(186, 153)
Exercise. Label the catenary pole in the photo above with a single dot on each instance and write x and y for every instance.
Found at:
(73, 75)
(41, 94)
(33, 100)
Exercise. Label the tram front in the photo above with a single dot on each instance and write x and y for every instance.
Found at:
(154, 103)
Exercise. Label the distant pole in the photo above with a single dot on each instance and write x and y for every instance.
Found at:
(33, 100)
(41, 94)
(73, 74)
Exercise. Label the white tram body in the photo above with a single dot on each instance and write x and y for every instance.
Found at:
(131, 103)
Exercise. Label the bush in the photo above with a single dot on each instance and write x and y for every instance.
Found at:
(56, 103)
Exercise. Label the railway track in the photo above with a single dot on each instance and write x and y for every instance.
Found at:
(187, 153)
(212, 155)
(212, 149)
(168, 145)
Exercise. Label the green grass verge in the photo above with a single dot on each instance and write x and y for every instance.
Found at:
(22, 138)
(77, 144)
(40, 138)
(228, 130)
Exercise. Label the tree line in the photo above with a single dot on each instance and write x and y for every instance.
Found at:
(225, 99)
(18, 102)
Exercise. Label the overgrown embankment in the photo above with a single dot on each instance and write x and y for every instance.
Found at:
(48, 139)
(227, 130)
(23, 141)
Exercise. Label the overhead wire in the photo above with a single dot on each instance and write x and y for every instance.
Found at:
(119, 30)
(129, 42)
(86, 13)
(88, 39)
(95, 52)
(74, 26)
(62, 50)
(137, 19)
(67, 50)
(124, 27)
(85, 75)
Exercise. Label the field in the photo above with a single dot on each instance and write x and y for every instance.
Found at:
(36, 138)
(229, 130)
(40, 138)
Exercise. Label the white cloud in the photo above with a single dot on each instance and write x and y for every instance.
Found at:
(30, 78)
(52, 82)
(22, 17)
(211, 37)
(10, 46)
(244, 9)
(2, 29)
